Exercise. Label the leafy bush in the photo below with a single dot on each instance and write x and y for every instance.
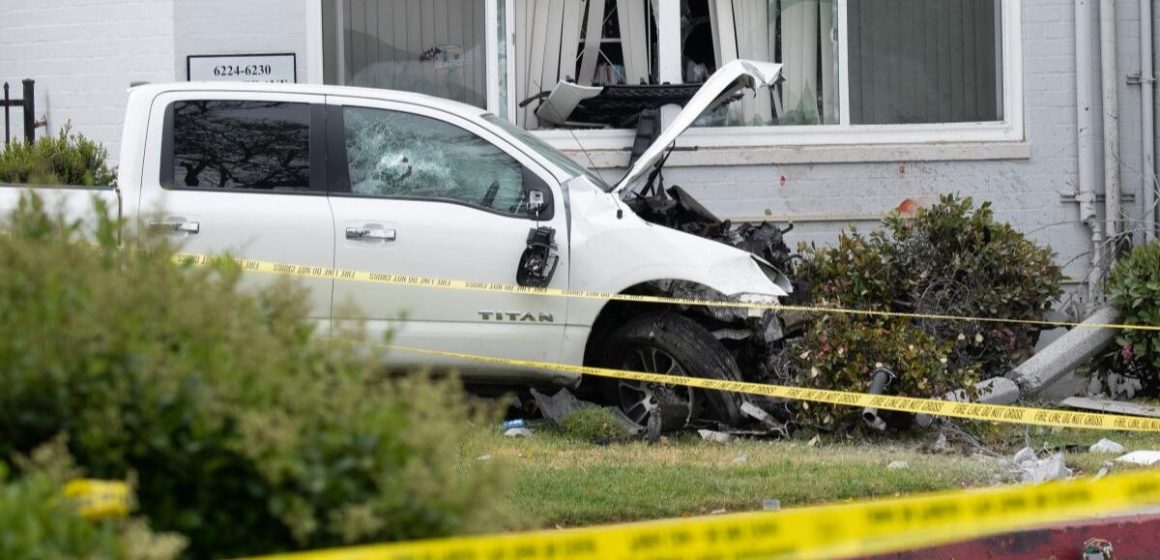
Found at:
(950, 259)
(842, 352)
(1134, 288)
(246, 433)
(64, 159)
(38, 523)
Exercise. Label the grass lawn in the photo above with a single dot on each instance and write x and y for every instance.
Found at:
(563, 482)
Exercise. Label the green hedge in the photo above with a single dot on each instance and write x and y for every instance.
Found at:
(245, 433)
(64, 159)
(1134, 288)
(950, 259)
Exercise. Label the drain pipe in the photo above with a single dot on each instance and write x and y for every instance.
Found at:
(1109, 78)
(1148, 146)
(1087, 128)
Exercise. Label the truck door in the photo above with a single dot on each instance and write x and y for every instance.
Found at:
(242, 172)
(421, 192)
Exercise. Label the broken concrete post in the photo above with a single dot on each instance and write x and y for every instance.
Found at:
(1065, 354)
(882, 379)
(1046, 367)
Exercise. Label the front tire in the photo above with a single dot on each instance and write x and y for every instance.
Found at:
(672, 344)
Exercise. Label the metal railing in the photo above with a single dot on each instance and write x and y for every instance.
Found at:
(28, 104)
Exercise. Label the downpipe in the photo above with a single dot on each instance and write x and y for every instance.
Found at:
(1148, 132)
(1109, 79)
(1086, 132)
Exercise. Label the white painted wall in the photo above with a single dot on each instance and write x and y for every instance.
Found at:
(239, 27)
(83, 55)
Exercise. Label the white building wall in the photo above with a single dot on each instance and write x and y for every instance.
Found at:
(239, 27)
(83, 55)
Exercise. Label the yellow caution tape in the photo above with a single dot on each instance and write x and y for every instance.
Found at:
(970, 410)
(931, 407)
(306, 271)
(834, 531)
(99, 499)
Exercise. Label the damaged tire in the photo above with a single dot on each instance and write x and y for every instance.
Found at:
(669, 343)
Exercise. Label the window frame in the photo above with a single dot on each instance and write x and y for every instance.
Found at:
(338, 168)
(1009, 130)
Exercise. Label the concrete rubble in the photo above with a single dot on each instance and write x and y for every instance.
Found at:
(1031, 469)
(1106, 446)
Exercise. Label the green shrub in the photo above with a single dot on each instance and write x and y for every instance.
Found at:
(1134, 288)
(842, 352)
(950, 259)
(64, 159)
(38, 523)
(245, 432)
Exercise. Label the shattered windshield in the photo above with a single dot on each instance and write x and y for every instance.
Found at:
(543, 148)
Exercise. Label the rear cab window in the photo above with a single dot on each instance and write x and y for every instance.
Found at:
(242, 145)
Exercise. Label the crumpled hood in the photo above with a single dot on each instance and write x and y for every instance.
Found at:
(723, 83)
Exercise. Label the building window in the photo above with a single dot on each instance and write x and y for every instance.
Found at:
(918, 65)
(432, 47)
(914, 61)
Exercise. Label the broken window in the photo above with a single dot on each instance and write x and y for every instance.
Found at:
(897, 61)
(800, 34)
(403, 155)
(590, 42)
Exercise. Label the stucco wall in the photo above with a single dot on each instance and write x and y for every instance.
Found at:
(83, 55)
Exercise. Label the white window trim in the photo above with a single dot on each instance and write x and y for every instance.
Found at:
(960, 140)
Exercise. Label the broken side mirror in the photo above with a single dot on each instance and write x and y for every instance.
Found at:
(538, 263)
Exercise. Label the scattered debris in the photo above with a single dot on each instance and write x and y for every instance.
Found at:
(1104, 470)
(715, 436)
(939, 446)
(814, 441)
(878, 385)
(1097, 549)
(1106, 446)
(483, 458)
(717, 511)
(518, 432)
(559, 406)
(741, 459)
(771, 504)
(1032, 469)
(1114, 407)
(516, 423)
(755, 412)
(1145, 458)
(898, 465)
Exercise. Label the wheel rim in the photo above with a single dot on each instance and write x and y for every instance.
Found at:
(640, 401)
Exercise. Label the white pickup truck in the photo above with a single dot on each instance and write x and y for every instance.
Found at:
(393, 182)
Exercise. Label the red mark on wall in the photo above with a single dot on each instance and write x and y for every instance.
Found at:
(902, 169)
(781, 182)
(908, 207)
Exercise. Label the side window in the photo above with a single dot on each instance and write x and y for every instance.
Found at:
(396, 154)
(250, 145)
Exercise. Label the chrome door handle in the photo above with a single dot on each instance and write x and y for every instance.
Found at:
(370, 234)
(175, 226)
